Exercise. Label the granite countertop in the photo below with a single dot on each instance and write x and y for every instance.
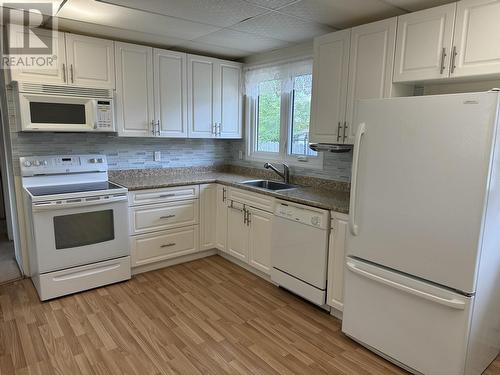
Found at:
(330, 199)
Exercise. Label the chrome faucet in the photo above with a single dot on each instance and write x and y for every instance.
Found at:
(285, 175)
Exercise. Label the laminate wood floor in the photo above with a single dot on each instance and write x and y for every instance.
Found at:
(204, 317)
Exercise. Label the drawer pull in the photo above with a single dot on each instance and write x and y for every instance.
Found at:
(169, 244)
(167, 217)
(167, 195)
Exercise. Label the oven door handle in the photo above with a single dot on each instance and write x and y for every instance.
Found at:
(83, 202)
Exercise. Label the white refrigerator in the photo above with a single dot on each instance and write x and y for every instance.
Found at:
(422, 283)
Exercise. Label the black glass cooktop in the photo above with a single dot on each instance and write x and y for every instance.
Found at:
(72, 188)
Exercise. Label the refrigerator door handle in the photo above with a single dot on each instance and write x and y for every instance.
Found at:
(353, 227)
(453, 303)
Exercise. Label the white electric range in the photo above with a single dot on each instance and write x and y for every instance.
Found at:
(77, 224)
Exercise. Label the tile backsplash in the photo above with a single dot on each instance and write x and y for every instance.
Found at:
(137, 153)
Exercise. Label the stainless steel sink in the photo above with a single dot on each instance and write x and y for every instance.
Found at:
(269, 185)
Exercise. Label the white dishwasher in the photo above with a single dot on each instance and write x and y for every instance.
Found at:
(299, 254)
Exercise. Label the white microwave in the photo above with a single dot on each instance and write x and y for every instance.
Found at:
(55, 108)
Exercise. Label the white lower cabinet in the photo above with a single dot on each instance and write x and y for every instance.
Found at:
(221, 213)
(336, 261)
(237, 232)
(164, 224)
(208, 216)
(249, 231)
(168, 244)
(259, 242)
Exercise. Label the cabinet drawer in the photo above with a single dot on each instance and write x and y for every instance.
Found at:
(163, 195)
(261, 201)
(158, 246)
(161, 216)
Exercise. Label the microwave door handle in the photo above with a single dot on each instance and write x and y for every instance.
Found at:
(49, 206)
(94, 109)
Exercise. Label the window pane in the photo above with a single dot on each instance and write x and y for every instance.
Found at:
(268, 116)
(301, 114)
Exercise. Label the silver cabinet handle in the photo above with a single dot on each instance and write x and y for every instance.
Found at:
(71, 73)
(64, 72)
(214, 126)
(167, 217)
(339, 126)
(153, 127)
(443, 55)
(158, 127)
(248, 218)
(345, 132)
(219, 125)
(168, 244)
(453, 59)
(223, 194)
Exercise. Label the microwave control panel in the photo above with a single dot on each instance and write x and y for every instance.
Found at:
(104, 114)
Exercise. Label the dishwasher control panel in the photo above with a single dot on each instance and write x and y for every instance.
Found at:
(302, 214)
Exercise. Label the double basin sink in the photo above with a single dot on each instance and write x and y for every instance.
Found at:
(269, 185)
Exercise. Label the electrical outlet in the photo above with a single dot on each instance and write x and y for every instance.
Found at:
(157, 156)
(240, 154)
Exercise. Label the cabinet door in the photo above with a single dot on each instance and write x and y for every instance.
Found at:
(228, 100)
(259, 240)
(237, 233)
(208, 216)
(370, 67)
(134, 90)
(329, 92)
(170, 92)
(221, 219)
(56, 75)
(201, 90)
(477, 39)
(91, 61)
(423, 46)
(336, 263)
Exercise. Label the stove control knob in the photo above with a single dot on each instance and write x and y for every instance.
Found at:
(315, 221)
(100, 160)
(44, 162)
(37, 163)
(27, 163)
(92, 161)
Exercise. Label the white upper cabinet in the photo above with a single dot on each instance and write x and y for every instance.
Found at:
(214, 98)
(134, 90)
(229, 100)
(477, 38)
(56, 75)
(81, 61)
(201, 90)
(170, 93)
(90, 61)
(424, 43)
(329, 93)
(370, 67)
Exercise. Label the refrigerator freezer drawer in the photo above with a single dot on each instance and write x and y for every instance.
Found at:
(420, 325)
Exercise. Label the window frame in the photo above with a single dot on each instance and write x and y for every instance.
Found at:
(286, 117)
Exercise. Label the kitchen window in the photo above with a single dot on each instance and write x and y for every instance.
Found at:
(278, 114)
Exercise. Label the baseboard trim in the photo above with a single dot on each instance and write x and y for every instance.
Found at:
(173, 262)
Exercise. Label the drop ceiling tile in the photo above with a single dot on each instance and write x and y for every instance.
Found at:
(413, 5)
(103, 31)
(271, 4)
(282, 27)
(129, 19)
(341, 13)
(221, 13)
(243, 41)
(211, 50)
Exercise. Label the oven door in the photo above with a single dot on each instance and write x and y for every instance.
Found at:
(56, 113)
(78, 233)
